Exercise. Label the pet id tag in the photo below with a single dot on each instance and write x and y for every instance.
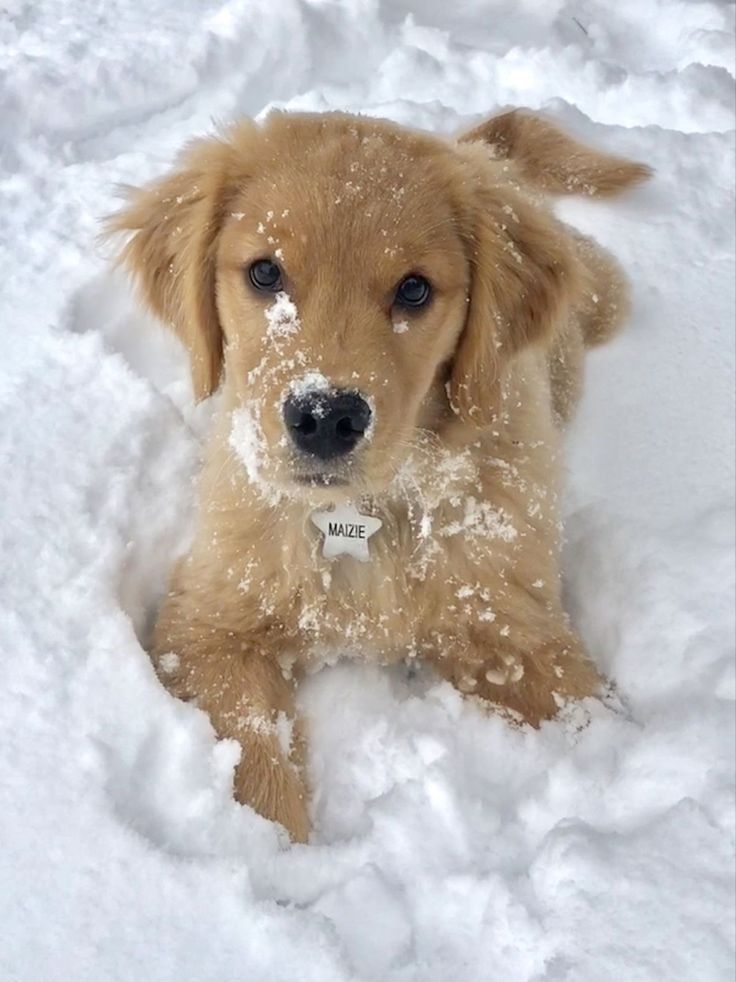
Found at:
(346, 532)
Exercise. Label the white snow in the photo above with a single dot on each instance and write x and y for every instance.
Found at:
(248, 442)
(312, 381)
(447, 845)
(282, 317)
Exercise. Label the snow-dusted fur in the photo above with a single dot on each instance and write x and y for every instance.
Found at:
(462, 464)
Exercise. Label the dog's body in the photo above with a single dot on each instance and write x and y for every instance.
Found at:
(462, 399)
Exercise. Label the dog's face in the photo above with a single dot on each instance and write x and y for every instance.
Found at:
(358, 283)
(341, 288)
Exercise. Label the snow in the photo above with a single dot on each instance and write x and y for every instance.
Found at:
(282, 317)
(446, 843)
(249, 445)
(309, 382)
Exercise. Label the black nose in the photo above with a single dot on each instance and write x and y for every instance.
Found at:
(326, 424)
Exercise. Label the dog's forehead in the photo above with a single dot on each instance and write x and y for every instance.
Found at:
(355, 189)
(351, 148)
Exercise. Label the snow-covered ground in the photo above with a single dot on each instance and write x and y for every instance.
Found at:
(447, 846)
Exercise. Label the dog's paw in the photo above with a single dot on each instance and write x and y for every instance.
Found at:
(531, 686)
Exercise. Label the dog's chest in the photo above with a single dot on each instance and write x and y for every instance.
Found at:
(356, 602)
(439, 563)
(423, 573)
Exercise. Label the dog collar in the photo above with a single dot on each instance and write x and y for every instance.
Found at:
(346, 532)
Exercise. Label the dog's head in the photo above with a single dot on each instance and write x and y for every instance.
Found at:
(351, 282)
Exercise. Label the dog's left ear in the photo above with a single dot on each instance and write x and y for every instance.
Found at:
(523, 278)
(175, 224)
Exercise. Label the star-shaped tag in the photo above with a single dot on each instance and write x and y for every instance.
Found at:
(346, 532)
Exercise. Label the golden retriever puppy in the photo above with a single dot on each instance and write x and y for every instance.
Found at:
(398, 324)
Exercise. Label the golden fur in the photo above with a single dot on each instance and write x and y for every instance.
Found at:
(468, 397)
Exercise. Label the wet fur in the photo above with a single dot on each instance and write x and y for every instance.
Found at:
(464, 465)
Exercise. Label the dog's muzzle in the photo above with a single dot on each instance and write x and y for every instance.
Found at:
(326, 424)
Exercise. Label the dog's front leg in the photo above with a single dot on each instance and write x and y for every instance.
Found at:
(240, 685)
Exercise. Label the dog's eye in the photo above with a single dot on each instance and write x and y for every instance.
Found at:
(413, 291)
(265, 275)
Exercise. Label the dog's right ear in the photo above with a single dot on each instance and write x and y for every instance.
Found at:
(175, 224)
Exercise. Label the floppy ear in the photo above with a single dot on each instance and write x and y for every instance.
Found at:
(524, 276)
(549, 159)
(175, 224)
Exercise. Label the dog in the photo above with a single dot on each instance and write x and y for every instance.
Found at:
(397, 323)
